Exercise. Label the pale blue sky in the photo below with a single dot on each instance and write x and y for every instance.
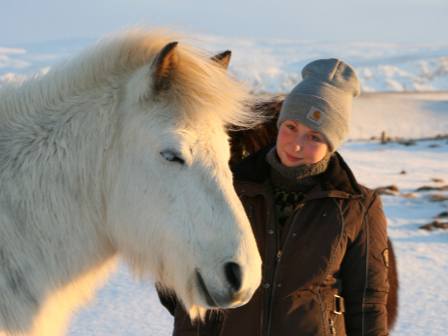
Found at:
(401, 21)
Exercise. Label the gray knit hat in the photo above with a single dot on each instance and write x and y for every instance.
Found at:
(322, 100)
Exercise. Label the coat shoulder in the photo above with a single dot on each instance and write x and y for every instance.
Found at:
(369, 197)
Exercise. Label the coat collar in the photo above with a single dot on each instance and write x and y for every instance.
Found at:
(337, 181)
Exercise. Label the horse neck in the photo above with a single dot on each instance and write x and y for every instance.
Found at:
(52, 155)
(62, 124)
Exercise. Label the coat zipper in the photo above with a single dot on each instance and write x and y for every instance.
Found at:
(279, 258)
(332, 328)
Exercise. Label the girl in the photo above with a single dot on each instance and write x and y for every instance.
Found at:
(321, 235)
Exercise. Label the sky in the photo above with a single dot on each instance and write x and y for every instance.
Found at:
(394, 21)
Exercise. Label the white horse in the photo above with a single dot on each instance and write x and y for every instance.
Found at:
(121, 151)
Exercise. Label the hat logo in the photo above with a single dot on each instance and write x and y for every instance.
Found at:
(315, 115)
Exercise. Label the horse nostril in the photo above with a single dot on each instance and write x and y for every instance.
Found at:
(233, 275)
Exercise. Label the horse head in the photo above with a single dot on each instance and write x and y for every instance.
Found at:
(172, 210)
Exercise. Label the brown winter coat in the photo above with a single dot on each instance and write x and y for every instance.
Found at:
(325, 275)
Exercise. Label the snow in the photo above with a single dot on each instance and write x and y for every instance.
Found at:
(405, 114)
(274, 65)
(421, 254)
(380, 66)
(124, 307)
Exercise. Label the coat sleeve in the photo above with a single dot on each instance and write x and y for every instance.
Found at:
(167, 298)
(182, 323)
(183, 326)
(364, 274)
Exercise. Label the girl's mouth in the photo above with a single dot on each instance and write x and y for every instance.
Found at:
(292, 158)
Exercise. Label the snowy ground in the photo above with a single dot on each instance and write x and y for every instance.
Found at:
(422, 255)
(406, 114)
(124, 307)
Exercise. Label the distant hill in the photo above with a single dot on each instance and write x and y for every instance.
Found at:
(274, 65)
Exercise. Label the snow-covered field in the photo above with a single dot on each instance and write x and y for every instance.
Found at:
(399, 114)
(422, 255)
(124, 307)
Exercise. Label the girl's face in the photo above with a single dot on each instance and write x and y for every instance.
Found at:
(298, 145)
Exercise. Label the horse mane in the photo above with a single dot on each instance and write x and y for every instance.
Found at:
(202, 90)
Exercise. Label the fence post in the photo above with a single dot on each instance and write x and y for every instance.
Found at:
(383, 137)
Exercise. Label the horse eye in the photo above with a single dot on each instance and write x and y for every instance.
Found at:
(172, 157)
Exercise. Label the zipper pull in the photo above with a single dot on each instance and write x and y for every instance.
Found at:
(279, 255)
(332, 328)
(251, 211)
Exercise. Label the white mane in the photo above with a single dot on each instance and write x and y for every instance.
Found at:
(115, 57)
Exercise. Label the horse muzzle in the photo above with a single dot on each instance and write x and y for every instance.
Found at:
(230, 295)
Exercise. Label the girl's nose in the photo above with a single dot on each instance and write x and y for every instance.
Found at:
(296, 145)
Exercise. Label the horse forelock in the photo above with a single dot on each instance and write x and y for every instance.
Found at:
(207, 94)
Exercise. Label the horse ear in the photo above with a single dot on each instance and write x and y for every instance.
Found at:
(223, 59)
(164, 63)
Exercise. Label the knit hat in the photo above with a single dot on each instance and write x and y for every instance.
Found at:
(322, 100)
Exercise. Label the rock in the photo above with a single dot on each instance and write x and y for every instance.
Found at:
(438, 198)
(403, 172)
(435, 225)
(384, 191)
(437, 180)
(389, 190)
(408, 143)
(441, 225)
(442, 214)
(427, 188)
(393, 188)
(427, 226)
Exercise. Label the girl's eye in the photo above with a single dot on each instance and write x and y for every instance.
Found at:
(291, 127)
(314, 138)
